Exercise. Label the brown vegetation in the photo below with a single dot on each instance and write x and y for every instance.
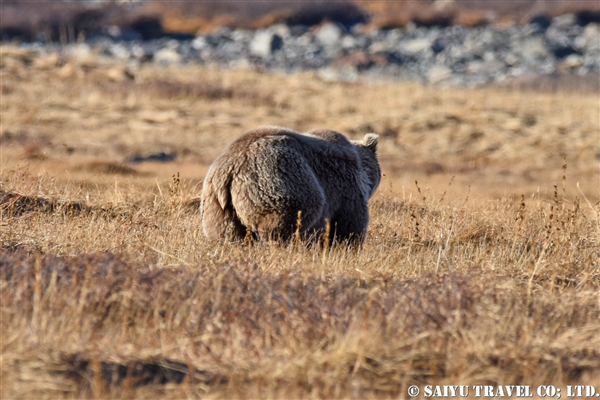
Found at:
(392, 14)
(483, 271)
(71, 21)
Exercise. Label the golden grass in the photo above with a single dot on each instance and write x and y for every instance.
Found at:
(485, 271)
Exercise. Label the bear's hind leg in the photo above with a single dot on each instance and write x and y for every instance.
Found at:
(350, 225)
(302, 214)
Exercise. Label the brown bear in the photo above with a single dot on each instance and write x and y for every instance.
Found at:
(261, 180)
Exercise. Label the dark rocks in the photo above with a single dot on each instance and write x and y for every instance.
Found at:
(313, 13)
(561, 36)
(154, 157)
(585, 17)
(148, 27)
(543, 21)
(452, 55)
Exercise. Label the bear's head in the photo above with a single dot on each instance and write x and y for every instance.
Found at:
(367, 152)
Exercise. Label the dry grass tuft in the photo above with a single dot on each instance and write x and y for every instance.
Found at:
(15, 204)
(206, 91)
(103, 167)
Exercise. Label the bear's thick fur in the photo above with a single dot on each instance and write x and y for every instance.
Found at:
(261, 180)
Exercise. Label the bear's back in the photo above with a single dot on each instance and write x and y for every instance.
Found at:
(318, 146)
(270, 157)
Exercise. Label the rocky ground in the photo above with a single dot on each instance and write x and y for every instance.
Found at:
(454, 55)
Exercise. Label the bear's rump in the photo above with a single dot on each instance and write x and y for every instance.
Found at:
(272, 186)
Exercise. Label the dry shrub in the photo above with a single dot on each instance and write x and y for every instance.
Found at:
(473, 12)
(471, 18)
(68, 22)
(209, 91)
(522, 11)
(105, 167)
(238, 325)
(15, 204)
(208, 15)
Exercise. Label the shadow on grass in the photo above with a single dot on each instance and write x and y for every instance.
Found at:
(137, 373)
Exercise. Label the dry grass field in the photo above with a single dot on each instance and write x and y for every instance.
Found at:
(482, 263)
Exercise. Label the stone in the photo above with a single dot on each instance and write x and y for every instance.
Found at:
(348, 42)
(281, 29)
(415, 46)
(199, 43)
(298, 30)
(120, 52)
(456, 55)
(329, 34)
(510, 59)
(573, 61)
(113, 31)
(565, 20)
(560, 41)
(438, 74)
(589, 38)
(242, 36)
(592, 61)
(490, 67)
(442, 5)
(265, 43)
(532, 48)
(480, 41)
(138, 51)
(379, 47)
(167, 56)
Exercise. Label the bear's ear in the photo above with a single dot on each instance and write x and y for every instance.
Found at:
(370, 141)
